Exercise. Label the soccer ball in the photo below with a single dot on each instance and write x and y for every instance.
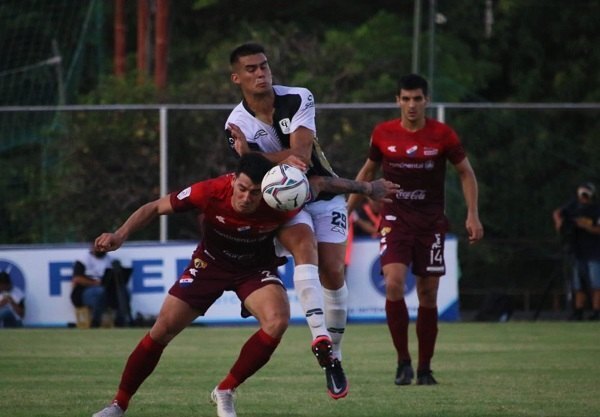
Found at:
(285, 187)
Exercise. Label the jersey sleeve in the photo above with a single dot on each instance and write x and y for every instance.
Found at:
(455, 150)
(305, 116)
(237, 117)
(193, 197)
(374, 151)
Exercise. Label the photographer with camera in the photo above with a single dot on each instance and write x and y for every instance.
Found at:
(578, 225)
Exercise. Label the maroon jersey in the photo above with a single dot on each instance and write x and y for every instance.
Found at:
(417, 162)
(233, 240)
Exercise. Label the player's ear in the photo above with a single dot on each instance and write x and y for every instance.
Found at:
(235, 78)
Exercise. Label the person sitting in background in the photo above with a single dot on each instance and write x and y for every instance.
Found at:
(12, 303)
(92, 276)
(366, 219)
(578, 223)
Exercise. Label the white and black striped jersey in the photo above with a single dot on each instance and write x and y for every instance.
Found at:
(294, 107)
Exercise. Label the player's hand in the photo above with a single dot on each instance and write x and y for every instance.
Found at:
(295, 161)
(240, 144)
(474, 229)
(382, 190)
(107, 242)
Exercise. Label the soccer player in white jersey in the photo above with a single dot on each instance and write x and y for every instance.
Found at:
(280, 122)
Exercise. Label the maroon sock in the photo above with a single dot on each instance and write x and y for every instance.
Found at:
(255, 353)
(397, 321)
(140, 365)
(427, 330)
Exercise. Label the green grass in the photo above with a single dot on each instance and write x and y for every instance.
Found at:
(483, 369)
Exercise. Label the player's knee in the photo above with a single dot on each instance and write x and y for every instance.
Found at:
(394, 287)
(332, 276)
(276, 324)
(427, 297)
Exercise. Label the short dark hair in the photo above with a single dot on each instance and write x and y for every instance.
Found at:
(589, 186)
(5, 277)
(255, 165)
(413, 82)
(245, 49)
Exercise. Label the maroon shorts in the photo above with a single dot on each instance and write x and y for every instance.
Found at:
(202, 283)
(425, 252)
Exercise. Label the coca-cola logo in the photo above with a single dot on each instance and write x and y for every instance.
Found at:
(410, 195)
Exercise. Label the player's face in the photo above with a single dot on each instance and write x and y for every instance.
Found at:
(246, 195)
(412, 103)
(253, 74)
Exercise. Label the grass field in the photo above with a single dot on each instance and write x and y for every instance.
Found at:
(483, 369)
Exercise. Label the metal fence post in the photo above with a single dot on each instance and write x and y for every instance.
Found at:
(163, 168)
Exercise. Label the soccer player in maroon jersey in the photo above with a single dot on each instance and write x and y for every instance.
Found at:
(412, 152)
(236, 253)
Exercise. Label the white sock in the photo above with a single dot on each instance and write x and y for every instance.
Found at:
(336, 314)
(310, 294)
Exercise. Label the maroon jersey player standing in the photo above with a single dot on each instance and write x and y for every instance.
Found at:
(236, 254)
(412, 152)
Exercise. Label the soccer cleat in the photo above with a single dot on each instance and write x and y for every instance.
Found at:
(112, 410)
(337, 384)
(425, 378)
(404, 374)
(321, 348)
(223, 400)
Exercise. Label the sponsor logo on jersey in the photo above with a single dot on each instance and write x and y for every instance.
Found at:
(429, 165)
(411, 195)
(392, 148)
(199, 263)
(284, 125)
(412, 151)
(243, 228)
(220, 218)
(407, 165)
(184, 193)
(430, 151)
(186, 281)
(259, 134)
(309, 102)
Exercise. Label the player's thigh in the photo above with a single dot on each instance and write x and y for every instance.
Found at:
(331, 264)
(270, 305)
(394, 275)
(299, 240)
(175, 315)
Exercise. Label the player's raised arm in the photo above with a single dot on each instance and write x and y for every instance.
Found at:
(137, 220)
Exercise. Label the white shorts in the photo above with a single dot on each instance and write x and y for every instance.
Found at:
(328, 219)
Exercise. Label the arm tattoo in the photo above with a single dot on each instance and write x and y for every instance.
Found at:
(344, 186)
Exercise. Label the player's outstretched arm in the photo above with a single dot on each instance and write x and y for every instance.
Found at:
(366, 173)
(378, 190)
(107, 242)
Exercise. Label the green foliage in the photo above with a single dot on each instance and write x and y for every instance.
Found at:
(82, 173)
